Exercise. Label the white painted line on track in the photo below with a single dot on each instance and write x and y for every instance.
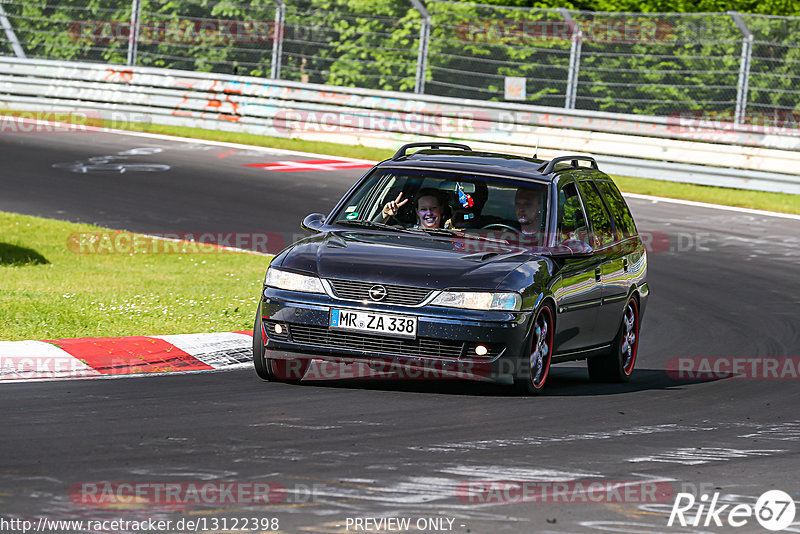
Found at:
(162, 137)
(694, 203)
(322, 156)
(283, 151)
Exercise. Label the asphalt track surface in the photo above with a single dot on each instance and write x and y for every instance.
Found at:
(725, 285)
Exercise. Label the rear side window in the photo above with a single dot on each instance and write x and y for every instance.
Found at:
(619, 209)
(602, 226)
(571, 219)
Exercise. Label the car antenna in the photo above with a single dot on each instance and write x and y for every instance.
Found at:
(536, 150)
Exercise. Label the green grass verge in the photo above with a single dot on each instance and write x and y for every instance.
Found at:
(716, 195)
(50, 289)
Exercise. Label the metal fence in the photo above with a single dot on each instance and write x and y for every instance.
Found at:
(718, 67)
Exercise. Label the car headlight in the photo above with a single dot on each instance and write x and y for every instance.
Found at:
(293, 281)
(479, 300)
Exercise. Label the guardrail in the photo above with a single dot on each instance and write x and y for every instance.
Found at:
(677, 149)
(729, 64)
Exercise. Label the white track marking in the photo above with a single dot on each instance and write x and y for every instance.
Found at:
(280, 151)
(223, 349)
(712, 206)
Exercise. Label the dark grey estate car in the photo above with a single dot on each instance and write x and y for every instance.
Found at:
(449, 262)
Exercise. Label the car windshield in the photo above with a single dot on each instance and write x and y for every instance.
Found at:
(444, 203)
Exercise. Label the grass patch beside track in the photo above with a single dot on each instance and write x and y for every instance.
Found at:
(52, 289)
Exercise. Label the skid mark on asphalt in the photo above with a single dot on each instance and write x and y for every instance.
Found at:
(542, 440)
(788, 431)
(697, 456)
(118, 163)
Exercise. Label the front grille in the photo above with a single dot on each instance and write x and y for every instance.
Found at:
(401, 295)
(420, 347)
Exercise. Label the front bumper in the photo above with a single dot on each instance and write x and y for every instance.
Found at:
(443, 348)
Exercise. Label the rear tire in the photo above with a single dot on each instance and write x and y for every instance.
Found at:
(534, 365)
(617, 364)
(259, 362)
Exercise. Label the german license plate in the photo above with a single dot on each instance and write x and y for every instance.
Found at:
(378, 323)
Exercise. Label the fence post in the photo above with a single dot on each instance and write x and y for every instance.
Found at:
(744, 67)
(574, 58)
(277, 40)
(10, 35)
(133, 38)
(422, 54)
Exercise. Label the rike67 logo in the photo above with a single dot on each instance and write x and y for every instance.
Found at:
(774, 510)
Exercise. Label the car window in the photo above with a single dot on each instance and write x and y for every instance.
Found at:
(619, 209)
(602, 227)
(468, 202)
(571, 219)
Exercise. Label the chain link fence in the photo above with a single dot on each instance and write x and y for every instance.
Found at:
(714, 66)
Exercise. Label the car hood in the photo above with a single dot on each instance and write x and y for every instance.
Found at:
(406, 259)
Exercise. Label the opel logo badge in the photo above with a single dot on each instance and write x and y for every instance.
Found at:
(377, 293)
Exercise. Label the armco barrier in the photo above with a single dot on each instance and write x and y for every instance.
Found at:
(673, 148)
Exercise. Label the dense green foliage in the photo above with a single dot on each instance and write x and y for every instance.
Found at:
(763, 7)
(646, 62)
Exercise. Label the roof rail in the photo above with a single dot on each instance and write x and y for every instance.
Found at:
(434, 145)
(574, 159)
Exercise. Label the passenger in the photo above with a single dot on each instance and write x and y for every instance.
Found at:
(528, 209)
(429, 205)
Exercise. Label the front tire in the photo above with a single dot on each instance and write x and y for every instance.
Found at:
(290, 371)
(535, 360)
(617, 364)
(259, 362)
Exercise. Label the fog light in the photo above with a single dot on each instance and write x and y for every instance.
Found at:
(278, 329)
(481, 350)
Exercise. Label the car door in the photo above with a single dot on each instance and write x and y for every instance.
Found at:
(577, 289)
(614, 278)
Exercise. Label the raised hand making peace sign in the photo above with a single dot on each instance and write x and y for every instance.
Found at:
(393, 206)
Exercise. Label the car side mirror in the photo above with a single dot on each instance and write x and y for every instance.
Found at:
(313, 222)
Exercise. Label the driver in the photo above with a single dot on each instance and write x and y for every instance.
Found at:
(528, 209)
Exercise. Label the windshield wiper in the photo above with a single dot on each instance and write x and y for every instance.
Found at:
(370, 224)
(446, 232)
(439, 231)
